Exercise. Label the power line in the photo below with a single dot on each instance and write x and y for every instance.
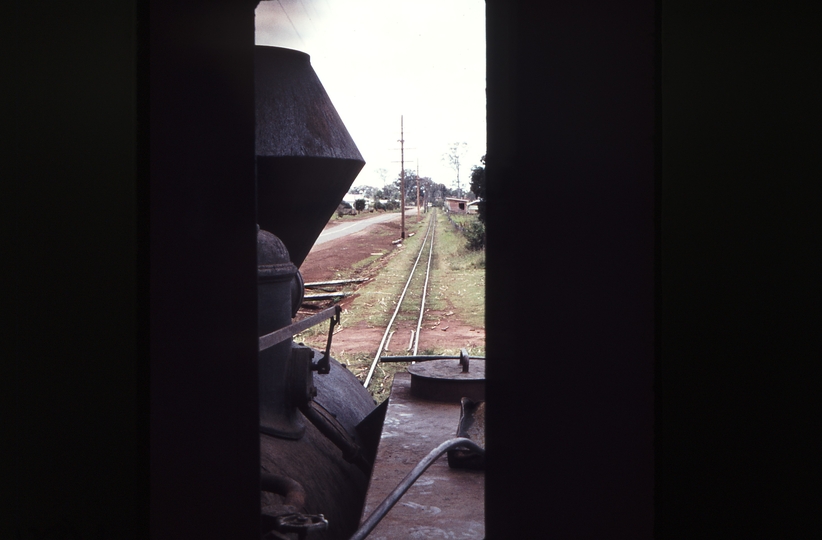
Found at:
(292, 23)
(308, 15)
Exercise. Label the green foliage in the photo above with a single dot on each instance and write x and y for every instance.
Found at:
(478, 187)
(345, 209)
(359, 205)
(390, 205)
(474, 232)
(472, 229)
(390, 191)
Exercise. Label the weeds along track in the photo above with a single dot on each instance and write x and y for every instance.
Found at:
(416, 269)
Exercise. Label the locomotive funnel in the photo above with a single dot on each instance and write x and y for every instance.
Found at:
(306, 160)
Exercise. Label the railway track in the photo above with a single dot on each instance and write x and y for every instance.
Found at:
(427, 244)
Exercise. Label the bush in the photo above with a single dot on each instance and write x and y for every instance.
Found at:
(474, 232)
(345, 209)
(359, 205)
(388, 205)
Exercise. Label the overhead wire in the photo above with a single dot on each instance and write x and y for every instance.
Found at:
(291, 22)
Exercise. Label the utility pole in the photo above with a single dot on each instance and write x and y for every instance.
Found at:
(402, 180)
(418, 190)
(402, 174)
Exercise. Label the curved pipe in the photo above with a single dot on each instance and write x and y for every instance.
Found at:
(291, 490)
(392, 499)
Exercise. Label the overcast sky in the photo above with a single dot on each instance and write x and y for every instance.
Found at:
(380, 59)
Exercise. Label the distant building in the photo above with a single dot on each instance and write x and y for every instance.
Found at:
(351, 198)
(473, 207)
(457, 206)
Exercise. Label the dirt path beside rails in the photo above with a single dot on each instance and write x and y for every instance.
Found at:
(337, 259)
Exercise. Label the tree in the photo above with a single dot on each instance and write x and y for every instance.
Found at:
(436, 193)
(382, 173)
(478, 187)
(424, 182)
(452, 157)
(390, 192)
(411, 180)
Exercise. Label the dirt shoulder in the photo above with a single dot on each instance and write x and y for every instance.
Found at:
(344, 257)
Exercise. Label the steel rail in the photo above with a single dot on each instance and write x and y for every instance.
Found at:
(394, 497)
(425, 288)
(399, 304)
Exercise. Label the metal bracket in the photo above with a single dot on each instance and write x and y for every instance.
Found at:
(464, 360)
(324, 365)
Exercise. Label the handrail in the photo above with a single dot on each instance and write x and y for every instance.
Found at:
(278, 336)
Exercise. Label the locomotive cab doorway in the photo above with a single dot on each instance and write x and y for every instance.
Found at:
(346, 93)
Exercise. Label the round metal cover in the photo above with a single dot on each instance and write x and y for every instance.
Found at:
(443, 380)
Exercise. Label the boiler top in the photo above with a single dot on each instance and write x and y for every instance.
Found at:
(273, 261)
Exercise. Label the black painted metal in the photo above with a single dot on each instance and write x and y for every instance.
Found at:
(275, 274)
(341, 393)
(306, 160)
(282, 334)
(292, 491)
(297, 293)
(322, 367)
(446, 380)
(369, 430)
(330, 428)
(301, 524)
(333, 486)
